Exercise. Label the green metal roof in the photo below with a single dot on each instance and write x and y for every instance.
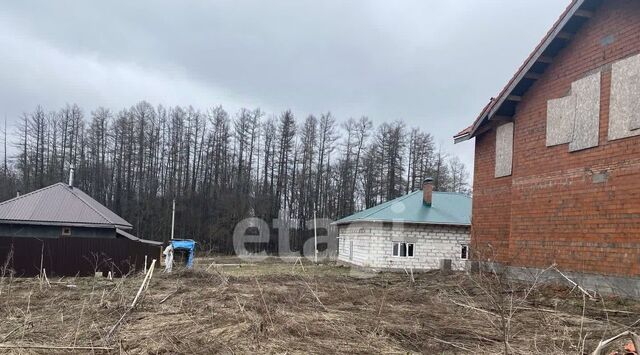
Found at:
(447, 208)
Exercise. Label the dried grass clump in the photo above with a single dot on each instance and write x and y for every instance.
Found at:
(276, 308)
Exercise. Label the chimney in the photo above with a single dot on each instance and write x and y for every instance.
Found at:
(71, 176)
(427, 192)
(17, 193)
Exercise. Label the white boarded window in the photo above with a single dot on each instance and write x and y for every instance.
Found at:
(403, 250)
(586, 129)
(624, 108)
(575, 118)
(504, 150)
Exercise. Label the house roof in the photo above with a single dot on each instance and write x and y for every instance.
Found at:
(447, 208)
(62, 205)
(132, 237)
(502, 108)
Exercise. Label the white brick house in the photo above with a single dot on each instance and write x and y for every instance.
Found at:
(417, 231)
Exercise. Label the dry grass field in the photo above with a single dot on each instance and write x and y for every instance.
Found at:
(278, 307)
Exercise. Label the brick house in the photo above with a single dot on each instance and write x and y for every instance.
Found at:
(557, 153)
(416, 231)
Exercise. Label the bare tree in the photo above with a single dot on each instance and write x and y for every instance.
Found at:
(221, 168)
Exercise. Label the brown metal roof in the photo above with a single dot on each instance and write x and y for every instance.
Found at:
(132, 237)
(59, 204)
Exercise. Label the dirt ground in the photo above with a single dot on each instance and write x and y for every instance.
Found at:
(278, 307)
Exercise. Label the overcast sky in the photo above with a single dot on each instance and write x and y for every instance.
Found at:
(433, 64)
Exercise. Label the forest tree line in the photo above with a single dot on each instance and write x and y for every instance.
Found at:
(221, 167)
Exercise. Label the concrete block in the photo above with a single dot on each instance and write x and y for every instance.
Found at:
(624, 110)
(504, 150)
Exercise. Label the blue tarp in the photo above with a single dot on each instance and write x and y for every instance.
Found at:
(188, 245)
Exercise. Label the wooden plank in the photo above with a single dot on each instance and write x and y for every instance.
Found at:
(545, 59)
(566, 35)
(583, 13)
(532, 76)
(502, 119)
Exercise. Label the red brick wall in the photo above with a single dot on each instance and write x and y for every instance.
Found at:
(491, 203)
(552, 209)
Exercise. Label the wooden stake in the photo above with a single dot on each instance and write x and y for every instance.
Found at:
(144, 283)
(169, 295)
(575, 285)
(44, 275)
(147, 278)
(603, 344)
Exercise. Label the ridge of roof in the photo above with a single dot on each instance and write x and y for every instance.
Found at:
(71, 190)
(29, 194)
(389, 203)
(450, 193)
(495, 103)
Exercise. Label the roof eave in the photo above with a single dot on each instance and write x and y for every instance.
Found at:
(491, 110)
(136, 239)
(65, 224)
(461, 138)
(338, 223)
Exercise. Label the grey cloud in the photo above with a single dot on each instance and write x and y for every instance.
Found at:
(433, 64)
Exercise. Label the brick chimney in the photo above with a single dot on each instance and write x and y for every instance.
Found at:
(427, 192)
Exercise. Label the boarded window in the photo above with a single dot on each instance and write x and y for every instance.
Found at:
(504, 149)
(624, 108)
(560, 117)
(575, 118)
(587, 118)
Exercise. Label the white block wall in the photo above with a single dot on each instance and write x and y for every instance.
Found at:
(373, 245)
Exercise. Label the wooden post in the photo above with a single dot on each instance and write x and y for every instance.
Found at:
(173, 218)
(315, 235)
(147, 277)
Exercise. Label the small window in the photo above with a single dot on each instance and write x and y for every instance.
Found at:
(387, 226)
(403, 250)
(66, 231)
(464, 252)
